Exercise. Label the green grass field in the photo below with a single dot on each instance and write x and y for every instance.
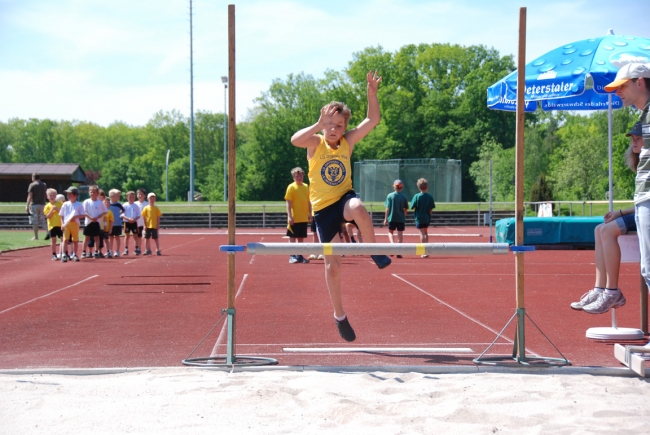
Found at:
(575, 208)
(16, 239)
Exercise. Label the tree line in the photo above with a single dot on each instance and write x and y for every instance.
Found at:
(433, 103)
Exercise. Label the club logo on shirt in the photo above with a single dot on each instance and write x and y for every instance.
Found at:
(333, 172)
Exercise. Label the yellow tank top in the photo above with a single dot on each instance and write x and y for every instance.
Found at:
(330, 174)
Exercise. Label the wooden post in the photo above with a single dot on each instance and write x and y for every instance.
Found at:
(232, 129)
(231, 152)
(519, 159)
(519, 181)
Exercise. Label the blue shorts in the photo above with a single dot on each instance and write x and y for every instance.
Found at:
(626, 223)
(421, 225)
(329, 220)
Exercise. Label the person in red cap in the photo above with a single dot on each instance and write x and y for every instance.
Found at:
(632, 86)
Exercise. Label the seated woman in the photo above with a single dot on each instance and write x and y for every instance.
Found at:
(606, 294)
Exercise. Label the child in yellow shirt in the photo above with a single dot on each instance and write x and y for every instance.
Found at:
(51, 212)
(151, 215)
(105, 229)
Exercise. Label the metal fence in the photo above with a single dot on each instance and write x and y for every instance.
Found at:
(373, 179)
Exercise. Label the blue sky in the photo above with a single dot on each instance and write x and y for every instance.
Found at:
(103, 61)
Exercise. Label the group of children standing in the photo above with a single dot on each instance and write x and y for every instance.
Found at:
(104, 219)
(397, 206)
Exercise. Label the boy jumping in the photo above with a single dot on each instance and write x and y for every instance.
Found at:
(330, 178)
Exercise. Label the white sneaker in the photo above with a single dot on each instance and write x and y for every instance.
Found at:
(604, 302)
(312, 257)
(587, 298)
(321, 257)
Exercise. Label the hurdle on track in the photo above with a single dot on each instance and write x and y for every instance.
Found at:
(436, 249)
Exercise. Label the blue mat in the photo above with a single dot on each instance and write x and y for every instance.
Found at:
(577, 231)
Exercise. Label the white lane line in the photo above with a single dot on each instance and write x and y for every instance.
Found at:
(224, 328)
(461, 313)
(253, 257)
(183, 244)
(49, 294)
(468, 317)
(131, 261)
(378, 349)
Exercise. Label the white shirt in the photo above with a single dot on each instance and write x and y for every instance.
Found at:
(71, 211)
(93, 208)
(142, 205)
(132, 211)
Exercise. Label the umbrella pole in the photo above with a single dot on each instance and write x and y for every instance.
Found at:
(609, 149)
(519, 349)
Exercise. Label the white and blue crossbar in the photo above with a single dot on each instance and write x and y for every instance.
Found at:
(433, 249)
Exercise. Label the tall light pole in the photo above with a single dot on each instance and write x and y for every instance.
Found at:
(191, 195)
(167, 177)
(224, 80)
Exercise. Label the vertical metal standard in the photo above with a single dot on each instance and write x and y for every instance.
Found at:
(519, 346)
(519, 189)
(231, 358)
(231, 184)
(191, 195)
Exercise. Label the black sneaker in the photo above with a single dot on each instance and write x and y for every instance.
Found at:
(382, 261)
(302, 259)
(345, 330)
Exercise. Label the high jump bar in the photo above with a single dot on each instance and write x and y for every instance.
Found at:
(434, 249)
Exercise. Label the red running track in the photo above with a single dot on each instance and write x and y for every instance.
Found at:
(153, 311)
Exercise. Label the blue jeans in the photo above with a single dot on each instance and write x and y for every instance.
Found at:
(642, 216)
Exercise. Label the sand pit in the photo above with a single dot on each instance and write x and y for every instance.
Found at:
(183, 400)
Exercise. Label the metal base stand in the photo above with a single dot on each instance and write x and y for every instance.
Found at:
(230, 359)
(519, 357)
(614, 333)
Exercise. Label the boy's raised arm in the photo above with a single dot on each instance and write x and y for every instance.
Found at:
(373, 116)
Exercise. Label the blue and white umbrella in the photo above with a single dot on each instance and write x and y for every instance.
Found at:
(573, 77)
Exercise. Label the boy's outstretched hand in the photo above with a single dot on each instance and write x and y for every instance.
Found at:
(326, 114)
(373, 82)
